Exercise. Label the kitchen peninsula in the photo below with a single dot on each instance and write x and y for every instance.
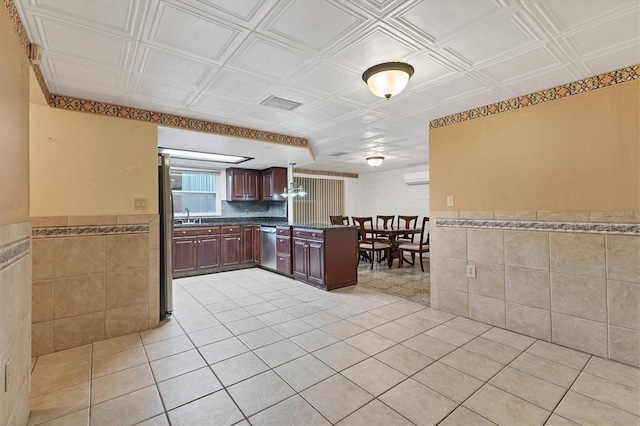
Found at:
(325, 256)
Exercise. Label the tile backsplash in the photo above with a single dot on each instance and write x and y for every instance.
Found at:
(567, 278)
(254, 209)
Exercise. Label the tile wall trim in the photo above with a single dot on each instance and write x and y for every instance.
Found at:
(573, 227)
(13, 252)
(325, 173)
(74, 231)
(611, 78)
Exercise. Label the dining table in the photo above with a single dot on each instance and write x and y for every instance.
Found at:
(393, 232)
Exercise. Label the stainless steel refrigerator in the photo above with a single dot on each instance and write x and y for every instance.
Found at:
(166, 235)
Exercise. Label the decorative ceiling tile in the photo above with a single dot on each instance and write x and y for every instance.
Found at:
(266, 58)
(237, 84)
(84, 76)
(533, 62)
(619, 30)
(160, 91)
(565, 15)
(604, 61)
(113, 15)
(82, 44)
(217, 104)
(435, 19)
(377, 46)
(332, 111)
(177, 69)
(493, 39)
(188, 32)
(313, 24)
(325, 79)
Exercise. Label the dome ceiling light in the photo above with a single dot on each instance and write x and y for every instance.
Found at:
(388, 79)
(375, 161)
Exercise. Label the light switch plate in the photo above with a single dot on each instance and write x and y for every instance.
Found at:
(450, 201)
(471, 271)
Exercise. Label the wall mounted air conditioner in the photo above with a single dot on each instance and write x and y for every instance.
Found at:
(417, 178)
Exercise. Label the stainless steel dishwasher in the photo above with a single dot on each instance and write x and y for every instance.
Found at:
(268, 247)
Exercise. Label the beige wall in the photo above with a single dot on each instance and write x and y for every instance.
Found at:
(90, 165)
(15, 231)
(581, 153)
(573, 162)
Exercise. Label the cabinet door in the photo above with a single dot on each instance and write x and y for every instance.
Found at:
(230, 249)
(266, 191)
(316, 262)
(208, 252)
(252, 185)
(247, 243)
(256, 244)
(238, 182)
(184, 254)
(300, 260)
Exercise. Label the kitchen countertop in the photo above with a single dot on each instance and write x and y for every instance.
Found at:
(264, 221)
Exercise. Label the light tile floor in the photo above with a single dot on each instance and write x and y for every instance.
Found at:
(252, 347)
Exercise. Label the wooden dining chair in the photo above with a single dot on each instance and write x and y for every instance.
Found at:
(416, 248)
(406, 222)
(339, 220)
(367, 243)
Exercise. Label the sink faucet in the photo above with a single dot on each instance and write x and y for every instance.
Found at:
(186, 210)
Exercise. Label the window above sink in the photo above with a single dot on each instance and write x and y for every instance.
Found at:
(195, 194)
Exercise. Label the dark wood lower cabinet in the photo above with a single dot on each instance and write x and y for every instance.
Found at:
(326, 258)
(185, 254)
(211, 249)
(230, 249)
(208, 251)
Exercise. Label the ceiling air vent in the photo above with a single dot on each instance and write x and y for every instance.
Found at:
(279, 103)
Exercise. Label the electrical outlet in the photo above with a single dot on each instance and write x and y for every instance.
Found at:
(246, 211)
(471, 271)
(450, 201)
(7, 375)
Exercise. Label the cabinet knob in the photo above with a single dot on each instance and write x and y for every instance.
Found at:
(209, 230)
(184, 232)
(238, 239)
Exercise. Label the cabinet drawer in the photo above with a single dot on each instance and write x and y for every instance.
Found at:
(283, 264)
(283, 245)
(309, 234)
(233, 229)
(283, 230)
(189, 232)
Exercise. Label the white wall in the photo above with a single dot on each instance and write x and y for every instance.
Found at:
(385, 193)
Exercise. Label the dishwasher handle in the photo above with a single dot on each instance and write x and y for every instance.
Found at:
(268, 230)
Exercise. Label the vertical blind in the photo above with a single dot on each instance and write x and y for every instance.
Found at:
(325, 197)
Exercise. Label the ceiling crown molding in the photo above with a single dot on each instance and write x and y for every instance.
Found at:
(611, 78)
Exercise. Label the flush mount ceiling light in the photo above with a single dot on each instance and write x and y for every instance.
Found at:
(203, 156)
(388, 79)
(375, 161)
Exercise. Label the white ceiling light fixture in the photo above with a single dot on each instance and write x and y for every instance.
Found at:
(292, 191)
(375, 161)
(388, 79)
(203, 156)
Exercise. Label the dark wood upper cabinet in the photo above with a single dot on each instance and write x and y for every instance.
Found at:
(274, 180)
(243, 185)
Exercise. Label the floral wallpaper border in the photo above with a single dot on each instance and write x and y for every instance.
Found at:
(588, 84)
(575, 227)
